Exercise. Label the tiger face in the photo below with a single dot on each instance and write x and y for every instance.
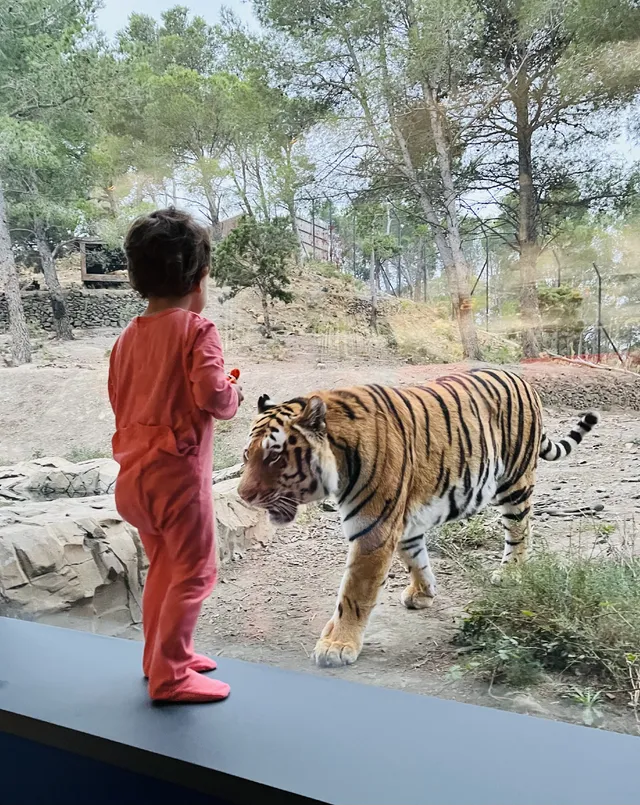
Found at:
(288, 460)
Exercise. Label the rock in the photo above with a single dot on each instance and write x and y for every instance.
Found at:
(527, 704)
(66, 555)
(47, 478)
(225, 475)
(237, 525)
(76, 559)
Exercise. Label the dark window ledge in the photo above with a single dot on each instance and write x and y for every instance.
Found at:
(288, 737)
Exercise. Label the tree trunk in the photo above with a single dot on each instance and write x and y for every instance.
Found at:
(265, 315)
(373, 285)
(457, 273)
(447, 234)
(20, 345)
(264, 203)
(528, 245)
(463, 310)
(293, 214)
(61, 320)
(419, 273)
(456, 267)
(111, 200)
(213, 206)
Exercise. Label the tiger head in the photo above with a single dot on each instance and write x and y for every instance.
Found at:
(288, 460)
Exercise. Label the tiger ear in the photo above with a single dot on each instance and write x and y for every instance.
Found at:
(264, 403)
(313, 415)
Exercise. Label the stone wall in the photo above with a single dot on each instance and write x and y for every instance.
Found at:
(87, 308)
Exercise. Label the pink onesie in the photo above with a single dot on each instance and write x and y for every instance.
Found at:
(166, 383)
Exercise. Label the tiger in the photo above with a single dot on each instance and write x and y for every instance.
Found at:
(400, 461)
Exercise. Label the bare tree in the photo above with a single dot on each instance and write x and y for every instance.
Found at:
(544, 60)
(389, 64)
(61, 319)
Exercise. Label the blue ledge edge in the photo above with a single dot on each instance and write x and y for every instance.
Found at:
(295, 737)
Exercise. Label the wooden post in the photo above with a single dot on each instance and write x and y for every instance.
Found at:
(599, 310)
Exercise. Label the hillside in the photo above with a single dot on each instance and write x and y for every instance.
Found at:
(329, 318)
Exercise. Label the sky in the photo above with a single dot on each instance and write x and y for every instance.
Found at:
(114, 14)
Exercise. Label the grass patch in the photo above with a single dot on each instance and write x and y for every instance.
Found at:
(456, 540)
(79, 454)
(560, 613)
(330, 271)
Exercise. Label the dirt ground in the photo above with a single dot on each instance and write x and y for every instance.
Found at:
(271, 604)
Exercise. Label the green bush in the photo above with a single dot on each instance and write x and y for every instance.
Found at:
(565, 614)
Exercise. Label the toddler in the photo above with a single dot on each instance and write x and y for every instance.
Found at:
(167, 383)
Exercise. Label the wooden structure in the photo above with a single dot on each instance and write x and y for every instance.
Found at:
(88, 277)
(318, 241)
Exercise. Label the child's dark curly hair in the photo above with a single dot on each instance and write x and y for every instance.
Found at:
(167, 253)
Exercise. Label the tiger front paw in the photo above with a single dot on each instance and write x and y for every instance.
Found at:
(334, 650)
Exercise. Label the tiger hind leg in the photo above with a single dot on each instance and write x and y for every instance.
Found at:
(514, 505)
(421, 591)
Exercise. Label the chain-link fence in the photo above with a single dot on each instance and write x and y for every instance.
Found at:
(587, 308)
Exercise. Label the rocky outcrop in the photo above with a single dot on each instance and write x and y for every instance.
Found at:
(78, 555)
(230, 472)
(76, 562)
(52, 477)
(237, 526)
(48, 478)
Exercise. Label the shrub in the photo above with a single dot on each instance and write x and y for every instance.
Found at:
(559, 613)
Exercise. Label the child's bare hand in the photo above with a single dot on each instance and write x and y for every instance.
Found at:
(239, 393)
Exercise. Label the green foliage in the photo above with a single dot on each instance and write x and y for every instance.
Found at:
(560, 307)
(50, 65)
(212, 112)
(565, 614)
(385, 246)
(589, 700)
(105, 260)
(498, 350)
(175, 40)
(268, 159)
(254, 255)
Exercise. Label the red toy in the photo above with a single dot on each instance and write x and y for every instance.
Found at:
(234, 375)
